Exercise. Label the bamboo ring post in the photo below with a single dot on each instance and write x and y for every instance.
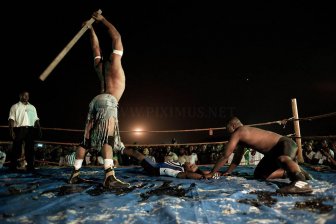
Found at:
(297, 130)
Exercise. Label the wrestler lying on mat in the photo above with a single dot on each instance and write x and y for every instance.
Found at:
(173, 169)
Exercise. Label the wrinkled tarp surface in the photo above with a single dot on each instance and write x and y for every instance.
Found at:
(45, 197)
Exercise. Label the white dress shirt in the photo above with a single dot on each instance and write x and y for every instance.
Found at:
(23, 114)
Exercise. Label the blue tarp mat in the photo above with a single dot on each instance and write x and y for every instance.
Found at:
(45, 197)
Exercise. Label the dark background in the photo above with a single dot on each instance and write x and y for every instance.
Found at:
(188, 65)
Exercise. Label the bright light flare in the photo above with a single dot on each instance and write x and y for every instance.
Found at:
(138, 131)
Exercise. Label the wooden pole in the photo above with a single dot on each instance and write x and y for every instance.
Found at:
(297, 130)
(67, 48)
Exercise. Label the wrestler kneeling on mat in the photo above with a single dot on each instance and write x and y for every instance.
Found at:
(278, 161)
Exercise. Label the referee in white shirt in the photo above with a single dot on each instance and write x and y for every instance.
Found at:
(22, 121)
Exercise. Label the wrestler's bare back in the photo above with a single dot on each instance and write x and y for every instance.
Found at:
(255, 138)
(115, 77)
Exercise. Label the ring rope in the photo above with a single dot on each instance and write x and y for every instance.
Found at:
(179, 144)
(280, 122)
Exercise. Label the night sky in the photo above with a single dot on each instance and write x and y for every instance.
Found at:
(187, 65)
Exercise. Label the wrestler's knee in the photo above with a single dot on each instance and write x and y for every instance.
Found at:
(86, 144)
(284, 159)
(110, 141)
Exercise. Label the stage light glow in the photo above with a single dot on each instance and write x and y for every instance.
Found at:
(138, 131)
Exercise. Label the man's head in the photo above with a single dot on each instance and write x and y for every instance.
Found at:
(309, 147)
(232, 124)
(333, 145)
(182, 151)
(190, 167)
(24, 97)
(324, 143)
(146, 151)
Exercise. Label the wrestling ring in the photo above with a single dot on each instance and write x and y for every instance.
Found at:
(45, 197)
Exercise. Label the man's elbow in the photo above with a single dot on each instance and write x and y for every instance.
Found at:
(10, 122)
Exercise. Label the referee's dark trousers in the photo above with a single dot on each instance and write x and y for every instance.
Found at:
(24, 136)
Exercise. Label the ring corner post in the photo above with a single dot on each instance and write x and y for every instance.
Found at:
(297, 130)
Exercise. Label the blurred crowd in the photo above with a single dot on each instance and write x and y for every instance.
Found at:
(314, 152)
(320, 152)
